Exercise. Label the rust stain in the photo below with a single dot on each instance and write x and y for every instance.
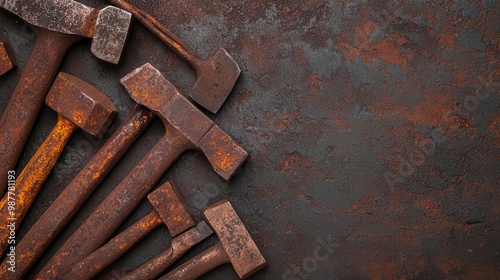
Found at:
(293, 161)
(314, 82)
(341, 123)
(494, 127)
(390, 49)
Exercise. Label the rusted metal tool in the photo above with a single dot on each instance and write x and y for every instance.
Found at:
(59, 23)
(7, 60)
(179, 246)
(215, 77)
(235, 246)
(79, 105)
(185, 128)
(62, 210)
(169, 208)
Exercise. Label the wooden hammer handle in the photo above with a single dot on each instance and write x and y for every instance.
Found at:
(27, 99)
(110, 214)
(180, 245)
(15, 203)
(115, 248)
(199, 265)
(157, 265)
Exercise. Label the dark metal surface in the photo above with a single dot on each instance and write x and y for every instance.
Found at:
(372, 127)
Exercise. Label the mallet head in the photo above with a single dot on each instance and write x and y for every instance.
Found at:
(82, 103)
(147, 86)
(171, 207)
(239, 246)
(7, 60)
(215, 80)
(109, 27)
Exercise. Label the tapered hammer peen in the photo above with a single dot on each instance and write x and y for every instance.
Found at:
(79, 105)
(186, 127)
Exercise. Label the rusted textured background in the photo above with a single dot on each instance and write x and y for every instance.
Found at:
(373, 129)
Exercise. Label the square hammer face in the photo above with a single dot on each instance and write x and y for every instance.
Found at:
(170, 206)
(110, 34)
(234, 237)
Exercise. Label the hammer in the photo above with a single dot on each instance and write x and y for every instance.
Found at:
(66, 205)
(180, 245)
(235, 246)
(59, 24)
(79, 105)
(60, 212)
(7, 60)
(216, 76)
(186, 127)
(169, 208)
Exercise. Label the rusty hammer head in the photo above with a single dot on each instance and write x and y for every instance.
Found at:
(147, 86)
(81, 103)
(108, 27)
(171, 207)
(215, 80)
(7, 60)
(239, 246)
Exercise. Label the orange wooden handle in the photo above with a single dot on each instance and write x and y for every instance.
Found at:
(16, 203)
